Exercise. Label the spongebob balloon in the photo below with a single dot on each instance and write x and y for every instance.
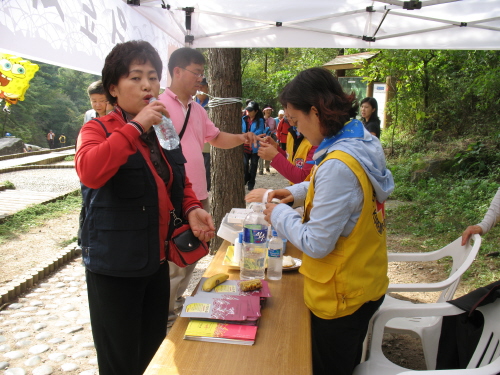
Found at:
(15, 75)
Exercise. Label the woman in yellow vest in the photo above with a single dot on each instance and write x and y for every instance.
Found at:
(292, 163)
(342, 233)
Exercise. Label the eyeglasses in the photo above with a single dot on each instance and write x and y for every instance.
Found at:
(199, 75)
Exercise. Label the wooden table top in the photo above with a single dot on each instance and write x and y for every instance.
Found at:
(282, 345)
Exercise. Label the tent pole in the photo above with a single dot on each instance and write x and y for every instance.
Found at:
(188, 39)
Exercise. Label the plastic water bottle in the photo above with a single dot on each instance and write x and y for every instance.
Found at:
(165, 132)
(254, 249)
(275, 258)
(237, 248)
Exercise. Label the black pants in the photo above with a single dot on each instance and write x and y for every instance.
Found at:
(206, 160)
(337, 344)
(129, 319)
(251, 162)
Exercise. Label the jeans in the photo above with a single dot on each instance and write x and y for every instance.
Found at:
(250, 165)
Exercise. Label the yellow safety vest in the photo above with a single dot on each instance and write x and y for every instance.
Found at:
(299, 158)
(355, 272)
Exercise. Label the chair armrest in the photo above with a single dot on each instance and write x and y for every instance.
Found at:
(415, 257)
(423, 287)
(492, 369)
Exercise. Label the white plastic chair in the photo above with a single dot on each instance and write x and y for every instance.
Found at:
(428, 328)
(484, 361)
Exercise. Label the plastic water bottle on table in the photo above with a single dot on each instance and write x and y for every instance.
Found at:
(275, 258)
(254, 247)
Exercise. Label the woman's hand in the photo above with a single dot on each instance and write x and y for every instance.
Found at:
(267, 151)
(268, 211)
(251, 138)
(272, 142)
(201, 224)
(256, 195)
(284, 195)
(473, 229)
(151, 114)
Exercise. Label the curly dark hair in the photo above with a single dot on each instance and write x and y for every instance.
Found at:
(318, 87)
(120, 58)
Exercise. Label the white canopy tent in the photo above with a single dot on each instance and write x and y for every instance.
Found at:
(79, 33)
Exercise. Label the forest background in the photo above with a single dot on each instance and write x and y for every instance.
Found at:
(446, 107)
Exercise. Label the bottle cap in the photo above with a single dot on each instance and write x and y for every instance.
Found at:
(275, 234)
(240, 237)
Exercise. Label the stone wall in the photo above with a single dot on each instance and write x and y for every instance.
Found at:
(11, 145)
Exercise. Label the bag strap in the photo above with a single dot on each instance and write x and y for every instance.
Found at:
(185, 122)
(100, 123)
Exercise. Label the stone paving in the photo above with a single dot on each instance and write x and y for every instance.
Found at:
(47, 331)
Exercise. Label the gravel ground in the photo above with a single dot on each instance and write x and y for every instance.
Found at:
(44, 180)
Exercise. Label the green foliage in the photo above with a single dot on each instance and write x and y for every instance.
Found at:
(477, 160)
(7, 185)
(265, 71)
(437, 211)
(69, 158)
(56, 100)
(439, 92)
(69, 241)
(23, 220)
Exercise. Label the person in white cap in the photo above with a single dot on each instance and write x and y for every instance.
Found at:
(281, 114)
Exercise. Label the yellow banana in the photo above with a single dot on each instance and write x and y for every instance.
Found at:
(213, 281)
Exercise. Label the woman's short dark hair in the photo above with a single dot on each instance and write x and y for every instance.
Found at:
(374, 105)
(318, 87)
(95, 88)
(183, 57)
(118, 61)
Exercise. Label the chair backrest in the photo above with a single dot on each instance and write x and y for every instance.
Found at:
(488, 348)
(462, 258)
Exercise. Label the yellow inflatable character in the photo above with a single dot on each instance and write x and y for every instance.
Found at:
(15, 74)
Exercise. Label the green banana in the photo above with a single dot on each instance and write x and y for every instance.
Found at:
(213, 281)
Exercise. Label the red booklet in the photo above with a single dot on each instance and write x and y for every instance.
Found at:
(220, 332)
(222, 307)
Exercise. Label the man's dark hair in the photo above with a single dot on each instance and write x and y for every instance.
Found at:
(95, 88)
(120, 58)
(183, 57)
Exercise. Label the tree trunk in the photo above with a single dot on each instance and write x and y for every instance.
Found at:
(228, 190)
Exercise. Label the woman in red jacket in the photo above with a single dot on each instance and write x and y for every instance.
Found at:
(282, 132)
(129, 187)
